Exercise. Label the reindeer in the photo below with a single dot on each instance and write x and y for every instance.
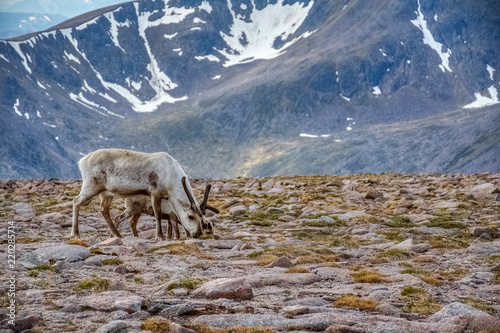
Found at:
(136, 206)
(124, 173)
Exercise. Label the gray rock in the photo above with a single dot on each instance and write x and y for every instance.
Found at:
(177, 328)
(482, 191)
(261, 280)
(310, 301)
(119, 315)
(178, 310)
(236, 289)
(456, 309)
(69, 253)
(484, 248)
(237, 210)
(107, 301)
(114, 241)
(485, 233)
(112, 327)
(281, 262)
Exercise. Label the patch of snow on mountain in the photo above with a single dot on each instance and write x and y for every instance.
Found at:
(17, 48)
(197, 20)
(209, 57)
(3, 57)
(16, 110)
(482, 101)
(170, 36)
(376, 91)
(490, 70)
(216, 77)
(205, 5)
(41, 85)
(113, 30)
(421, 24)
(253, 37)
(71, 57)
(86, 24)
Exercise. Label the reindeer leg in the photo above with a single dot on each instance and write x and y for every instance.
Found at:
(105, 204)
(175, 226)
(133, 224)
(156, 201)
(169, 226)
(85, 195)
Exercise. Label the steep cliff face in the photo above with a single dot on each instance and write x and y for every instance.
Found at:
(258, 87)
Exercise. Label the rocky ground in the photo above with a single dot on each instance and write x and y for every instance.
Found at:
(360, 253)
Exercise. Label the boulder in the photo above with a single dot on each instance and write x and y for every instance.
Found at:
(230, 288)
(107, 301)
(456, 309)
(69, 253)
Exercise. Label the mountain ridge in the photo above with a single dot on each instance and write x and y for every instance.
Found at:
(346, 69)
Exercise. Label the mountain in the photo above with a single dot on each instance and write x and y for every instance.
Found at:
(17, 24)
(257, 88)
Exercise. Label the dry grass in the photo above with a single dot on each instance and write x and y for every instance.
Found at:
(443, 242)
(424, 259)
(367, 276)
(395, 255)
(480, 305)
(156, 325)
(418, 300)
(355, 303)
(186, 282)
(346, 241)
(435, 278)
(78, 242)
(188, 249)
(292, 252)
(95, 284)
(297, 269)
(266, 259)
(239, 329)
(316, 259)
(112, 261)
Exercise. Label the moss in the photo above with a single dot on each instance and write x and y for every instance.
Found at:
(139, 280)
(395, 254)
(95, 284)
(445, 220)
(186, 282)
(418, 301)
(156, 325)
(346, 241)
(443, 242)
(367, 276)
(355, 303)
(398, 221)
(480, 305)
(112, 261)
(37, 269)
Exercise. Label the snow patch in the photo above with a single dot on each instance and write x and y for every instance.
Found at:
(482, 101)
(421, 24)
(346, 98)
(216, 77)
(17, 48)
(26, 114)
(38, 114)
(209, 57)
(113, 30)
(376, 91)
(490, 70)
(50, 125)
(383, 53)
(4, 58)
(41, 85)
(197, 20)
(253, 37)
(195, 29)
(170, 36)
(205, 5)
(16, 110)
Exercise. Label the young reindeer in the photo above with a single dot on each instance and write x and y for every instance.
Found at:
(135, 207)
(124, 173)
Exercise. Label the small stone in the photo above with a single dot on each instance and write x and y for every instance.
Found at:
(372, 195)
(281, 262)
(237, 210)
(485, 233)
(178, 310)
(420, 248)
(295, 310)
(112, 327)
(178, 292)
(114, 241)
(274, 210)
(456, 309)
(121, 269)
(177, 328)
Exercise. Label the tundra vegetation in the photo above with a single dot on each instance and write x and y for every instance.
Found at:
(307, 253)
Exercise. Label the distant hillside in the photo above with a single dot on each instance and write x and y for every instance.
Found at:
(259, 88)
(17, 24)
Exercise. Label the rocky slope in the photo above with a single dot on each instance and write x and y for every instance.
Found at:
(258, 88)
(360, 253)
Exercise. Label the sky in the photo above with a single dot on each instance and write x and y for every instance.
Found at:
(68, 8)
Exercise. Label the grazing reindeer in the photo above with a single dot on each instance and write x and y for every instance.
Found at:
(134, 207)
(125, 173)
